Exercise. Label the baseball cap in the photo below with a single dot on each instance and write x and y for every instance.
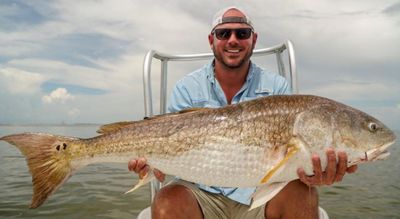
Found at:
(220, 19)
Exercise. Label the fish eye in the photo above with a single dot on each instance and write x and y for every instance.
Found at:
(372, 126)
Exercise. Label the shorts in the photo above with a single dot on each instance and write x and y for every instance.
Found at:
(218, 206)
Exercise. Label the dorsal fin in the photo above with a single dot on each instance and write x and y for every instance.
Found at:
(113, 126)
(189, 110)
(107, 128)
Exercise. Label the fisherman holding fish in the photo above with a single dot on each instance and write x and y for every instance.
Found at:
(229, 79)
(253, 155)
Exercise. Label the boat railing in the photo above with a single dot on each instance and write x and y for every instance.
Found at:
(290, 74)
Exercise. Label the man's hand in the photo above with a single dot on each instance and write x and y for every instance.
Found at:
(334, 172)
(140, 167)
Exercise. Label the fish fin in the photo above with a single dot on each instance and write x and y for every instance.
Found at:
(265, 193)
(47, 160)
(194, 109)
(291, 149)
(146, 179)
(107, 128)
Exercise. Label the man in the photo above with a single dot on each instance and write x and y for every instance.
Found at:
(229, 79)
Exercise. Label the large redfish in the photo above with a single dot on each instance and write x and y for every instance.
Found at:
(259, 143)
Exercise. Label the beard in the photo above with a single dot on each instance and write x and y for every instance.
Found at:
(222, 59)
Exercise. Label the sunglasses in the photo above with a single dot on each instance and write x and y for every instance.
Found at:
(240, 33)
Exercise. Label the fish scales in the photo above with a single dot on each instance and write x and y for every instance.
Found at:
(189, 131)
(251, 144)
(235, 127)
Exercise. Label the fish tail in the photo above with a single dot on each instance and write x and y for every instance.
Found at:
(48, 160)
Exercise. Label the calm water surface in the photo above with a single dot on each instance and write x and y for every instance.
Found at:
(97, 190)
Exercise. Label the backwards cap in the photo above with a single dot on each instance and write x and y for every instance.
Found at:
(220, 19)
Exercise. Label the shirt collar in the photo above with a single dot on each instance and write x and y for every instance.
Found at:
(251, 72)
(210, 72)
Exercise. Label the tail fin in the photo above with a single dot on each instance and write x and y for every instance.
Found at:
(48, 159)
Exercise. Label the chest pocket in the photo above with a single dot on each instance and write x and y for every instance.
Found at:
(200, 103)
(257, 94)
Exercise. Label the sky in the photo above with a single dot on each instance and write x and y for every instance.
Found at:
(65, 61)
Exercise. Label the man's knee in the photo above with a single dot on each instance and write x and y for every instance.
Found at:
(173, 200)
(301, 196)
(303, 191)
(169, 197)
(296, 200)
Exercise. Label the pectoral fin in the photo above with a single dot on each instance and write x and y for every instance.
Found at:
(146, 179)
(292, 149)
(265, 193)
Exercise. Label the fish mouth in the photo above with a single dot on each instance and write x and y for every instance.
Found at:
(379, 153)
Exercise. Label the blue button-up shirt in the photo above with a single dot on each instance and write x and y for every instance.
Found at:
(201, 89)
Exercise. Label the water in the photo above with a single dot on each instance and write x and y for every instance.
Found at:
(97, 190)
(372, 192)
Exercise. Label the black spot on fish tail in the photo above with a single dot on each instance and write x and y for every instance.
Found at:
(64, 146)
(58, 147)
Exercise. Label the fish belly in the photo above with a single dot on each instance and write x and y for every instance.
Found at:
(216, 165)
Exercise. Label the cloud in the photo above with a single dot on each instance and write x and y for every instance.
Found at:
(60, 73)
(357, 90)
(393, 9)
(99, 47)
(17, 81)
(59, 95)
